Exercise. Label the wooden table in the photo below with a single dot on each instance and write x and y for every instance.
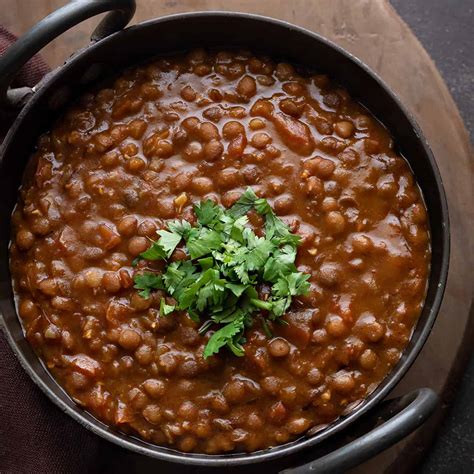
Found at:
(373, 31)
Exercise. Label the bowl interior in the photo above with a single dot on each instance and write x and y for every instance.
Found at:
(212, 30)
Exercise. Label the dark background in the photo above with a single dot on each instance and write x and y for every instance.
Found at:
(446, 30)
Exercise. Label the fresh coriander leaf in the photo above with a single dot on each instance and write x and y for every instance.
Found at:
(146, 282)
(207, 212)
(155, 252)
(271, 270)
(275, 228)
(203, 241)
(236, 288)
(279, 306)
(262, 206)
(206, 263)
(173, 276)
(291, 285)
(210, 294)
(281, 263)
(298, 283)
(168, 241)
(256, 258)
(227, 317)
(281, 288)
(191, 293)
(224, 336)
(177, 274)
(181, 228)
(242, 273)
(236, 347)
(183, 287)
(166, 309)
(249, 237)
(251, 258)
(286, 255)
(243, 204)
(235, 229)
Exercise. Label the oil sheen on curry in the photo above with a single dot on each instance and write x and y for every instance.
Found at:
(141, 151)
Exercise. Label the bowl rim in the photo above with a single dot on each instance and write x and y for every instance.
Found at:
(408, 357)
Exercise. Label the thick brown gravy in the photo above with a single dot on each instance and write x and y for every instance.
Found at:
(131, 156)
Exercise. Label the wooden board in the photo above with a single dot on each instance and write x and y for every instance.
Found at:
(373, 31)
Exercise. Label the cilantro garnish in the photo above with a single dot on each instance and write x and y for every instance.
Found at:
(227, 263)
(148, 282)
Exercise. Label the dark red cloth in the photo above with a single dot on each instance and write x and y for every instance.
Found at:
(35, 436)
(33, 71)
(29, 75)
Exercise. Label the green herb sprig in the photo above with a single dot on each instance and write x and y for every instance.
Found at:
(227, 262)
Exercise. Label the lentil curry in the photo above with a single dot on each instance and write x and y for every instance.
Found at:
(161, 138)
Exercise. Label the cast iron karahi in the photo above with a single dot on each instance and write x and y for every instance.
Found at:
(111, 50)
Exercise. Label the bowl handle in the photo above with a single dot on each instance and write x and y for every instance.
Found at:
(18, 54)
(399, 416)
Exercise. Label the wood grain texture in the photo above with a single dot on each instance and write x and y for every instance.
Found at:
(373, 31)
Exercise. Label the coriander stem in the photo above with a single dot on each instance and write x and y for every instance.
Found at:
(261, 304)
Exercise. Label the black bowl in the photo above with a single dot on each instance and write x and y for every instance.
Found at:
(279, 40)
